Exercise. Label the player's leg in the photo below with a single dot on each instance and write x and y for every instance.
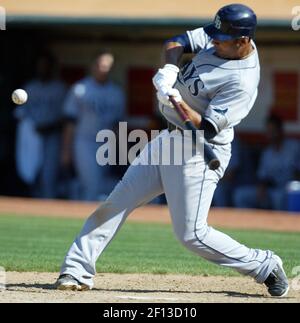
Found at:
(140, 184)
(189, 191)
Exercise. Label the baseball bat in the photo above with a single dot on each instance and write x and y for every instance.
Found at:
(209, 156)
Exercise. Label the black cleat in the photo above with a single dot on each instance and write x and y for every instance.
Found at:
(277, 282)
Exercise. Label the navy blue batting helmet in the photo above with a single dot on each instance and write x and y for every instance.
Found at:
(232, 22)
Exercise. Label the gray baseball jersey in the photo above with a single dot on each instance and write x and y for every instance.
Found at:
(95, 106)
(222, 91)
(218, 89)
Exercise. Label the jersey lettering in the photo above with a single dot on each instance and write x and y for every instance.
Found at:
(191, 79)
(197, 85)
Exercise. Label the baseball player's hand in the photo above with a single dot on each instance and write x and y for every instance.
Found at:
(165, 78)
(163, 97)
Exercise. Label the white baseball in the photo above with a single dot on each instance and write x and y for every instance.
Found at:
(19, 96)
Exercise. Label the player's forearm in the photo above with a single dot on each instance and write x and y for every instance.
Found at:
(199, 122)
(172, 53)
(193, 115)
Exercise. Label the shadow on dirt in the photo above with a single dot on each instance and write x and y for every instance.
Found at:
(37, 288)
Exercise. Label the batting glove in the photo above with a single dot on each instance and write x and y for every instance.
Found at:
(163, 98)
(165, 78)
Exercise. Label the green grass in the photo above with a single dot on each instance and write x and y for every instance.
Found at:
(39, 244)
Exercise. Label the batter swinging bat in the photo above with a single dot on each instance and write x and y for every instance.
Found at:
(209, 156)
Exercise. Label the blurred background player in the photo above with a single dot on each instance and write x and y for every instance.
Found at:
(278, 165)
(39, 129)
(94, 103)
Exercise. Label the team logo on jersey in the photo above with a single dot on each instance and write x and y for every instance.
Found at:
(218, 22)
(223, 112)
(191, 79)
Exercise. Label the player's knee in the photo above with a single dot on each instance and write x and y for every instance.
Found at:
(193, 237)
(201, 232)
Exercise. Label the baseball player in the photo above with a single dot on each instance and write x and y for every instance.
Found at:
(44, 109)
(217, 89)
(92, 104)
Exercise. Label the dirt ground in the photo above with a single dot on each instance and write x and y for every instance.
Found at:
(145, 288)
(140, 288)
(224, 218)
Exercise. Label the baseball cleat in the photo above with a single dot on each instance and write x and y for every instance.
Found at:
(68, 282)
(277, 282)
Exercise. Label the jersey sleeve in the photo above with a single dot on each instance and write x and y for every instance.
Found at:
(228, 108)
(198, 39)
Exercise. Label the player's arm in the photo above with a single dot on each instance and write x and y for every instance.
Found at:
(189, 42)
(199, 122)
(174, 49)
(195, 117)
(227, 108)
(172, 52)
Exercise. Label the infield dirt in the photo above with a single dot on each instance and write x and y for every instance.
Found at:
(224, 218)
(140, 288)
